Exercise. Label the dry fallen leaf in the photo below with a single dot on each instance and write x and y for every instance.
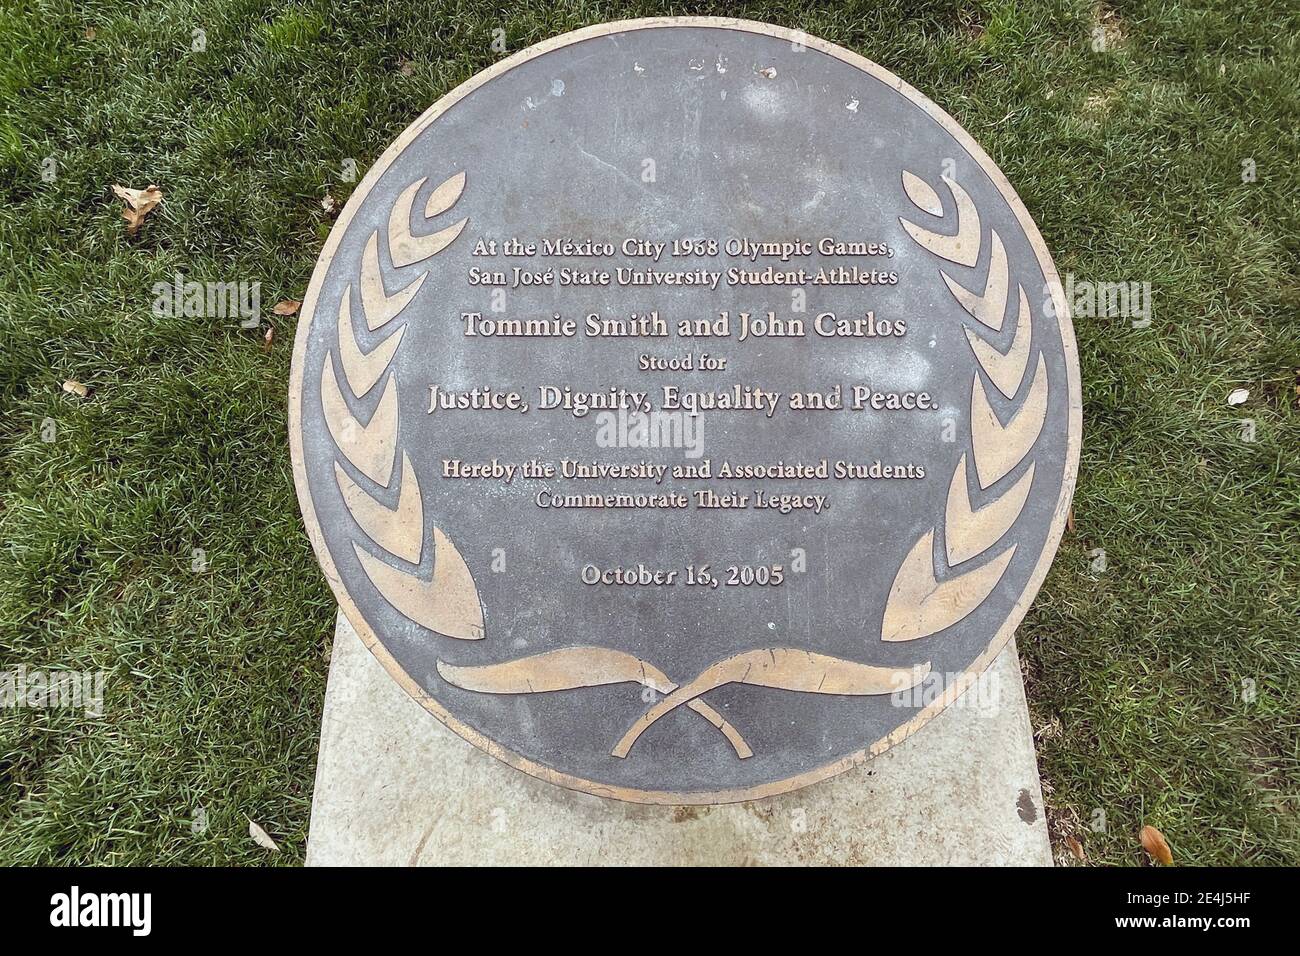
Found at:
(73, 387)
(1238, 396)
(270, 334)
(1075, 847)
(261, 837)
(1049, 729)
(1153, 841)
(287, 307)
(329, 203)
(90, 33)
(139, 203)
(407, 68)
(1069, 521)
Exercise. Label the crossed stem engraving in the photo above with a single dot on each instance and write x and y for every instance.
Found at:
(783, 668)
(572, 667)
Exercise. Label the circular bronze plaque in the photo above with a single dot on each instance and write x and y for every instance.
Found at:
(684, 410)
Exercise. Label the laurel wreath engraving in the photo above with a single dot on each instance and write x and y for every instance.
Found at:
(448, 603)
(919, 604)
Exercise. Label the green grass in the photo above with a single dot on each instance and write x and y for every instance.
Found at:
(1129, 159)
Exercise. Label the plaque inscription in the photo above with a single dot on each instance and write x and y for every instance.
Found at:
(685, 410)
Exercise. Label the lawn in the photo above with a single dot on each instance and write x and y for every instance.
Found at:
(149, 529)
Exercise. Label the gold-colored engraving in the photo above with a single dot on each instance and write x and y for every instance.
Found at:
(363, 369)
(999, 448)
(922, 194)
(963, 247)
(447, 604)
(923, 197)
(396, 530)
(404, 247)
(968, 533)
(380, 307)
(1006, 371)
(369, 447)
(919, 605)
(784, 668)
(572, 667)
(989, 307)
(445, 196)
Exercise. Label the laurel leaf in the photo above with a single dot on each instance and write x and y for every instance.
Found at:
(445, 196)
(399, 530)
(920, 605)
(562, 669)
(999, 448)
(363, 369)
(968, 533)
(378, 307)
(963, 247)
(989, 306)
(447, 604)
(1007, 369)
(404, 247)
(922, 194)
(370, 447)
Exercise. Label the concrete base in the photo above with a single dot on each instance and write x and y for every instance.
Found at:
(394, 787)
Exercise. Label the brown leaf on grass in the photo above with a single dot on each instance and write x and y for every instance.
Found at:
(90, 33)
(139, 203)
(1153, 841)
(1069, 521)
(73, 387)
(261, 837)
(268, 337)
(287, 307)
(1075, 847)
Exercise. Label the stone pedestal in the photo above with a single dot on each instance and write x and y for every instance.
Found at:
(394, 787)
